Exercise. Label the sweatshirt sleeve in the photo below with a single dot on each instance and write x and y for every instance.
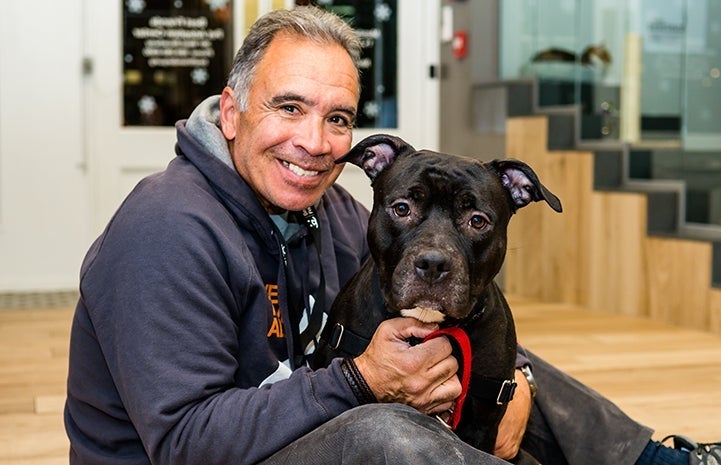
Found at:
(521, 357)
(174, 306)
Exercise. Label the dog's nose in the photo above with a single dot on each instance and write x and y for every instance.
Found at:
(432, 266)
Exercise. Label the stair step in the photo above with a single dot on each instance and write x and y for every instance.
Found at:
(619, 166)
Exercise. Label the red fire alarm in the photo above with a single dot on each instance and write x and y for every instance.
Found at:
(459, 44)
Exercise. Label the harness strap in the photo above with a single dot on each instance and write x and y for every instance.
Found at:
(341, 338)
(496, 390)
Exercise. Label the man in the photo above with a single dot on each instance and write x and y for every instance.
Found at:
(200, 301)
(186, 342)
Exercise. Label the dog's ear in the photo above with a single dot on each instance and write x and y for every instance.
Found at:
(374, 153)
(522, 183)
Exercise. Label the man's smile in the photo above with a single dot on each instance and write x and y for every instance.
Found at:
(298, 170)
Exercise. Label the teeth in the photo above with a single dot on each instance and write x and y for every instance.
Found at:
(298, 170)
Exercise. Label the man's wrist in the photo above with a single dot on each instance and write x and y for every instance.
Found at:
(357, 382)
(528, 374)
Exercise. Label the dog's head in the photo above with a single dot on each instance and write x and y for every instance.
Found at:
(437, 231)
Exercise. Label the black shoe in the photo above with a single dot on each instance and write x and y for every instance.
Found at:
(706, 454)
(698, 454)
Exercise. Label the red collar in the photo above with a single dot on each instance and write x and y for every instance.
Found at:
(464, 343)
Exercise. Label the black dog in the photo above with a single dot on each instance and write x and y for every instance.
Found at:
(437, 235)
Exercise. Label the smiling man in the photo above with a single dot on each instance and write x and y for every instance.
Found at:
(204, 296)
(296, 124)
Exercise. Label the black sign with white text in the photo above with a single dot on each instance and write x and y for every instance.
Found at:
(175, 54)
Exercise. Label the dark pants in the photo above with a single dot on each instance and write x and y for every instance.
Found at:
(573, 424)
(570, 425)
(378, 434)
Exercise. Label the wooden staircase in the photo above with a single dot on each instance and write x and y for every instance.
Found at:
(621, 245)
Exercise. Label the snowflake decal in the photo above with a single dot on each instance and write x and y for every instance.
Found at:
(370, 109)
(216, 4)
(383, 12)
(135, 6)
(147, 104)
(199, 76)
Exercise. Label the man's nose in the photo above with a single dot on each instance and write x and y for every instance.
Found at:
(314, 136)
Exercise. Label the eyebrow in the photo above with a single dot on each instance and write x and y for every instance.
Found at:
(291, 97)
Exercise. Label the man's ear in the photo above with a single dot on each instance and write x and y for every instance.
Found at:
(228, 113)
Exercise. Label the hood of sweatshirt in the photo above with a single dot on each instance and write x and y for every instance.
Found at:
(201, 141)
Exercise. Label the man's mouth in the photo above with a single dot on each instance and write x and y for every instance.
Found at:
(298, 170)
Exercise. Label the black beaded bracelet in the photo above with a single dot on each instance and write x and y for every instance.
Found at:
(357, 383)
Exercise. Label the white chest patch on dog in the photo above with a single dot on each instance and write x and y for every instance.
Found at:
(426, 315)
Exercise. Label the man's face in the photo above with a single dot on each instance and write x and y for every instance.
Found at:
(301, 108)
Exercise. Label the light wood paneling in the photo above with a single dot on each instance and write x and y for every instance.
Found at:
(536, 231)
(715, 305)
(616, 256)
(678, 286)
(596, 253)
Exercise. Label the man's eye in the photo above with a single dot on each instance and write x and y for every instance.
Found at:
(340, 121)
(478, 221)
(289, 108)
(401, 209)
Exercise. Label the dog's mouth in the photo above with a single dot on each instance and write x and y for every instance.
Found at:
(431, 303)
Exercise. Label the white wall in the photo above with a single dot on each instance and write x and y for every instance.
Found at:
(43, 189)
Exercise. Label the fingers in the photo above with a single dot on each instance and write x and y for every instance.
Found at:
(407, 328)
(422, 376)
(443, 374)
(404, 329)
(444, 396)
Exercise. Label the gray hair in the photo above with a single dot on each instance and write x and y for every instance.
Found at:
(306, 22)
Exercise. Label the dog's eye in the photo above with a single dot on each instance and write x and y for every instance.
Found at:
(401, 209)
(478, 221)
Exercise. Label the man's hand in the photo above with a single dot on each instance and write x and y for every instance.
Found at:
(422, 376)
(513, 424)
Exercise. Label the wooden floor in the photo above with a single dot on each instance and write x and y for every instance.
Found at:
(665, 377)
